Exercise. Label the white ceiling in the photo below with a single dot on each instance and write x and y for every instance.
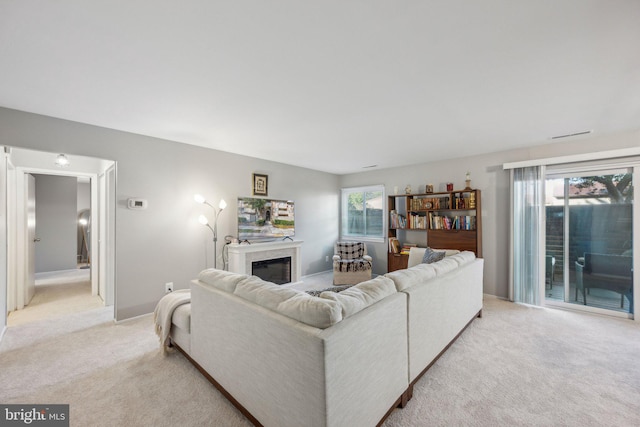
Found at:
(329, 85)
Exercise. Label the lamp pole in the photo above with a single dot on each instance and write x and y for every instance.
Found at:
(204, 221)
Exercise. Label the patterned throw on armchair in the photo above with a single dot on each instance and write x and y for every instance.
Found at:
(351, 264)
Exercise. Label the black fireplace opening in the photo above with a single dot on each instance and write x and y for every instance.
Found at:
(277, 270)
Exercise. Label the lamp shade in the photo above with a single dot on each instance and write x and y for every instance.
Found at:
(222, 204)
(199, 198)
(203, 220)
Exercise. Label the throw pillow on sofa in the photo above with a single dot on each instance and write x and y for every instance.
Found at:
(431, 256)
(335, 288)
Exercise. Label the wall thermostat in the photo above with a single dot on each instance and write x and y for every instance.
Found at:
(137, 203)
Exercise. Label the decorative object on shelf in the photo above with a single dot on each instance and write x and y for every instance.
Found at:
(449, 186)
(467, 181)
(260, 183)
(407, 189)
(429, 189)
(204, 221)
(395, 190)
(472, 201)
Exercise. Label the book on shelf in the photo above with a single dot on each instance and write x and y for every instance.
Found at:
(427, 203)
(418, 222)
(458, 222)
(394, 245)
(407, 247)
(396, 220)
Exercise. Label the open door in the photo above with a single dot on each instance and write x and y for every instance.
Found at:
(30, 273)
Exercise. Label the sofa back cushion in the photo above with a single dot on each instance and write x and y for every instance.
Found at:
(409, 277)
(421, 273)
(320, 312)
(417, 254)
(292, 303)
(362, 295)
(220, 279)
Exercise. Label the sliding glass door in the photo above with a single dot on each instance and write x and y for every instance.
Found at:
(589, 240)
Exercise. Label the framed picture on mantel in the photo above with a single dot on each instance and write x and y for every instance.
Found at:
(260, 183)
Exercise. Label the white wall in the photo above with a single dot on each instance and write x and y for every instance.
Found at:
(84, 196)
(165, 242)
(3, 242)
(487, 175)
(56, 223)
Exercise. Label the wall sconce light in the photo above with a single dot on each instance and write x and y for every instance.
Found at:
(62, 161)
(204, 221)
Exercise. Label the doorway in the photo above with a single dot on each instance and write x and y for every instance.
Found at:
(589, 219)
(96, 218)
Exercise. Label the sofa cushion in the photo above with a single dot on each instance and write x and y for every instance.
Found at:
(416, 254)
(313, 311)
(444, 266)
(463, 258)
(182, 317)
(266, 294)
(362, 295)
(289, 302)
(220, 279)
(409, 277)
(430, 256)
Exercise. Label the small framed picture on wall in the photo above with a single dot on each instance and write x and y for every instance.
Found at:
(260, 184)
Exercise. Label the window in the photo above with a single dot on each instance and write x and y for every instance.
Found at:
(362, 213)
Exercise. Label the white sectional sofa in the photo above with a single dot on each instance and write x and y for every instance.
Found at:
(286, 358)
(444, 297)
(290, 359)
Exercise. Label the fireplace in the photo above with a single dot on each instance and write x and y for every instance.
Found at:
(243, 256)
(276, 270)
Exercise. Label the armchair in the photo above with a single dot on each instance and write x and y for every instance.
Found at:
(351, 264)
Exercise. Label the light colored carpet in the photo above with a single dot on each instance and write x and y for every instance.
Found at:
(58, 293)
(515, 366)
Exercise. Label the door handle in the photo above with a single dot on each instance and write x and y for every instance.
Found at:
(37, 239)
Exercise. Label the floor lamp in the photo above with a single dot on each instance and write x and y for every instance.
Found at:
(204, 221)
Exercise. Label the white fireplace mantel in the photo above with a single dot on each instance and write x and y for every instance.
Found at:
(241, 256)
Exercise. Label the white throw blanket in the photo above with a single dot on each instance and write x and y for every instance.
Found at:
(164, 311)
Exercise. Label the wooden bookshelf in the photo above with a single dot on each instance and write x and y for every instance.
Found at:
(449, 220)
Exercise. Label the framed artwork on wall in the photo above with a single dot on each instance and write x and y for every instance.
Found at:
(260, 184)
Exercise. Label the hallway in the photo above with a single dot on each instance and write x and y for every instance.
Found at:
(58, 293)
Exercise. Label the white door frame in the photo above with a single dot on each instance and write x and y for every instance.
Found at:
(106, 207)
(21, 255)
(603, 167)
(13, 178)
